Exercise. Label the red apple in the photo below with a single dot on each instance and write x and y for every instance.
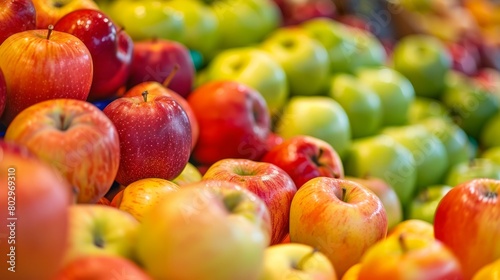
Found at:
(50, 11)
(295, 12)
(153, 60)
(267, 181)
(341, 218)
(465, 57)
(34, 202)
(43, 64)
(155, 137)
(234, 122)
(104, 201)
(16, 16)
(467, 220)
(102, 267)
(76, 138)
(354, 21)
(3, 92)
(305, 157)
(111, 49)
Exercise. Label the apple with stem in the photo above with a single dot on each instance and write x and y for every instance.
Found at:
(16, 16)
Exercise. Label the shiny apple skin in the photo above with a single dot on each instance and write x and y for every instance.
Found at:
(16, 16)
(50, 11)
(3, 92)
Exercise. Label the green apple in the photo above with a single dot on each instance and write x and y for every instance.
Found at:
(429, 153)
(100, 230)
(454, 139)
(317, 116)
(490, 133)
(382, 157)
(304, 60)
(245, 22)
(395, 91)
(296, 261)
(473, 169)
(492, 154)
(148, 19)
(423, 207)
(255, 68)
(423, 107)
(425, 61)
(361, 104)
(348, 48)
(190, 174)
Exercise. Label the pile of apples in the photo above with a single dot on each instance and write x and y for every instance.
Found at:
(243, 140)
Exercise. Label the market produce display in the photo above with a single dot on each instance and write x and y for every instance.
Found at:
(249, 140)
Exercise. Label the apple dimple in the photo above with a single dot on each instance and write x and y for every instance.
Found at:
(232, 200)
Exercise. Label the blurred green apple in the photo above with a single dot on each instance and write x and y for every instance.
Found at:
(190, 174)
(492, 154)
(473, 169)
(361, 104)
(490, 133)
(304, 60)
(423, 206)
(425, 61)
(255, 68)
(395, 91)
(382, 157)
(318, 116)
(423, 107)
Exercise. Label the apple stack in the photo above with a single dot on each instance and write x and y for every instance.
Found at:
(190, 139)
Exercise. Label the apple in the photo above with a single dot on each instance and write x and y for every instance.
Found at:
(425, 61)
(304, 158)
(48, 12)
(474, 169)
(304, 60)
(3, 92)
(145, 20)
(203, 226)
(296, 261)
(387, 196)
(102, 267)
(317, 116)
(269, 182)
(297, 12)
(190, 174)
(488, 272)
(423, 206)
(155, 59)
(250, 20)
(424, 107)
(96, 230)
(492, 154)
(255, 68)
(16, 16)
(34, 201)
(76, 138)
(357, 21)
(241, 132)
(104, 201)
(429, 153)
(465, 57)
(413, 226)
(61, 61)
(155, 137)
(409, 256)
(318, 218)
(110, 47)
(352, 273)
(395, 91)
(361, 104)
(382, 157)
(141, 195)
(467, 221)
(487, 138)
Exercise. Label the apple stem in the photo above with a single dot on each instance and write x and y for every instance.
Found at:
(344, 192)
(50, 28)
(305, 258)
(145, 95)
(170, 76)
(402, 243)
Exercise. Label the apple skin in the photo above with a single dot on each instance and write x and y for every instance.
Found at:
(352, 273)
(469, 213)
(16, 16)
(50, 11)
(297, 12)
(387, 196)
(492, 154)
(316, 116)
(423, 206)
(488, 137)
(3, 92)
(102, 267)
(269, 182)
(62, 53)
(76, 138)
(424, 107)
(282, 261)
(154, 59)
(190, 174)
(111, 49)
(474, 169)
(155, 137)
(141, 195)
(317, 218)
(241, 132)
(488, 272)
(222, 222)
(413, 226)
(100, 230)
(304, 158)
(43, 198)
(409, 256)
